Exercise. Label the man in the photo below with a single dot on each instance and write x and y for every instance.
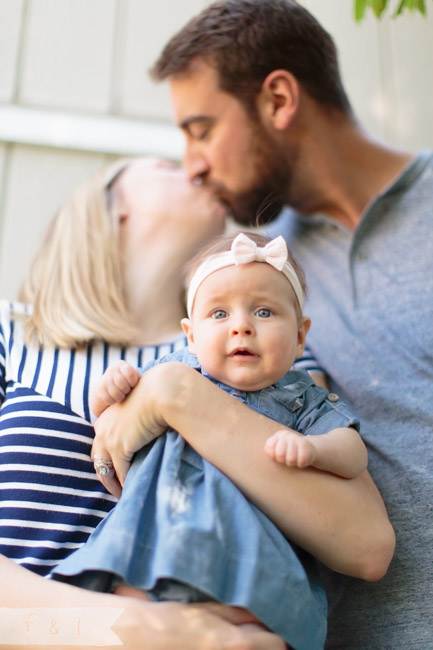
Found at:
(257, 92)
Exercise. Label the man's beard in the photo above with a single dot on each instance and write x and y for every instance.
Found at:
(258, 207)
(263, 202)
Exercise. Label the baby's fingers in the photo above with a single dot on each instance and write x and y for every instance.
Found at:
(275, 446)
(288, 447)
(120, 380)
(306, 453)
(131, 374)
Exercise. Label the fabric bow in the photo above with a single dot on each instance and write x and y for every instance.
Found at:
(245, 250)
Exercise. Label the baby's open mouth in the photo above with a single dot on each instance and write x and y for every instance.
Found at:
(242, 353)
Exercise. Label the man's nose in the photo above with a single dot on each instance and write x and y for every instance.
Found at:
(195, 165)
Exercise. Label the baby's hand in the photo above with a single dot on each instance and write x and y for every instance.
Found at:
(291, 448)
(115, 384)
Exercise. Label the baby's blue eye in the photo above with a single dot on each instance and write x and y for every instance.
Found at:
(219, 313)
(263, 313)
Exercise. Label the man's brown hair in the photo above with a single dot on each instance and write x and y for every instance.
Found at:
(245, 40)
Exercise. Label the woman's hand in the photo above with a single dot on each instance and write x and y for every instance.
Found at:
(124, 428)
(139, 624)
(204, 626)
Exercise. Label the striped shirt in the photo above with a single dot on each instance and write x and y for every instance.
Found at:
(50, 498)
(308, 362)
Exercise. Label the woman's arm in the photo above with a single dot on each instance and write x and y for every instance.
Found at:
(138, 624)
(342, 522)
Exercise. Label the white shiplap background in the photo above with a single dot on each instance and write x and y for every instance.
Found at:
(74, 91)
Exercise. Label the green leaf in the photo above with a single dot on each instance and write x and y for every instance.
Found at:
(421, 7)
(359, 9)
(411, 5)
(400, 8)
(378, 6)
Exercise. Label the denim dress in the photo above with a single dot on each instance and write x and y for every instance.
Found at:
(182, 531)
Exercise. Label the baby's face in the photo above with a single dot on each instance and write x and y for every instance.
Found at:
(245, 328)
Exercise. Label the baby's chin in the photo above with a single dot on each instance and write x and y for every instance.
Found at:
(247, 384)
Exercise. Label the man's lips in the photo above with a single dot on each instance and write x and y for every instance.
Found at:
(220, 194)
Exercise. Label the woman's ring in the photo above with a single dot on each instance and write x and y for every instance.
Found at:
(102, 467)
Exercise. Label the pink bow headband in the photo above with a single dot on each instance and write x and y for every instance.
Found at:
(243, 251)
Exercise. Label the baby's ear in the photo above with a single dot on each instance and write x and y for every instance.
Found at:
(187, 328)
(303, 327)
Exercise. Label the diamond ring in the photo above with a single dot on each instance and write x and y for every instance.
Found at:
(102, 467)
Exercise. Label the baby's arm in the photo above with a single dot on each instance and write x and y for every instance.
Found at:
(115, 384)
(340, 451)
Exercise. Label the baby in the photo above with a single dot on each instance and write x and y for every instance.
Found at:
(185, 532)
(246, 333)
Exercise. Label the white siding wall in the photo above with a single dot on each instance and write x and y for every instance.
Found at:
(91, 57)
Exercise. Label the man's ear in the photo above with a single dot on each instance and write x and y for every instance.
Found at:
(187, 328)
(279, 98)
(303, 327)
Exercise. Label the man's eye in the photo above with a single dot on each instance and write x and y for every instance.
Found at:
(263, 313)
(198, 131)
(219, 313)
(202, 135)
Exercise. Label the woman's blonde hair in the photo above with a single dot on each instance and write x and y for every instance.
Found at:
(75, 283)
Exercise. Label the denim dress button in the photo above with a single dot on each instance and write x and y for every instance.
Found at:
(333, 397)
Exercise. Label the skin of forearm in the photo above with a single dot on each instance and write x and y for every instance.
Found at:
(23, 589)
(341, 522)
(340, 451)
(26, 589)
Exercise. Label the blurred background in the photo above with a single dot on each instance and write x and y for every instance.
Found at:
(75, 93)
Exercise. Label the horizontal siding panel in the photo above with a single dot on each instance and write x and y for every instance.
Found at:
(67, 54)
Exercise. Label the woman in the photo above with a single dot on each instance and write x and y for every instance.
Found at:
(106, 284)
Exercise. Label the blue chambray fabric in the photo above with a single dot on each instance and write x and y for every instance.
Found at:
(181, 519)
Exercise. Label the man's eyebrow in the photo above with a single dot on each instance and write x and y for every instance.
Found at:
(193, 119)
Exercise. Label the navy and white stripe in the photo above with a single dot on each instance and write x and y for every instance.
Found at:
(308, 362)
(50, 498)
